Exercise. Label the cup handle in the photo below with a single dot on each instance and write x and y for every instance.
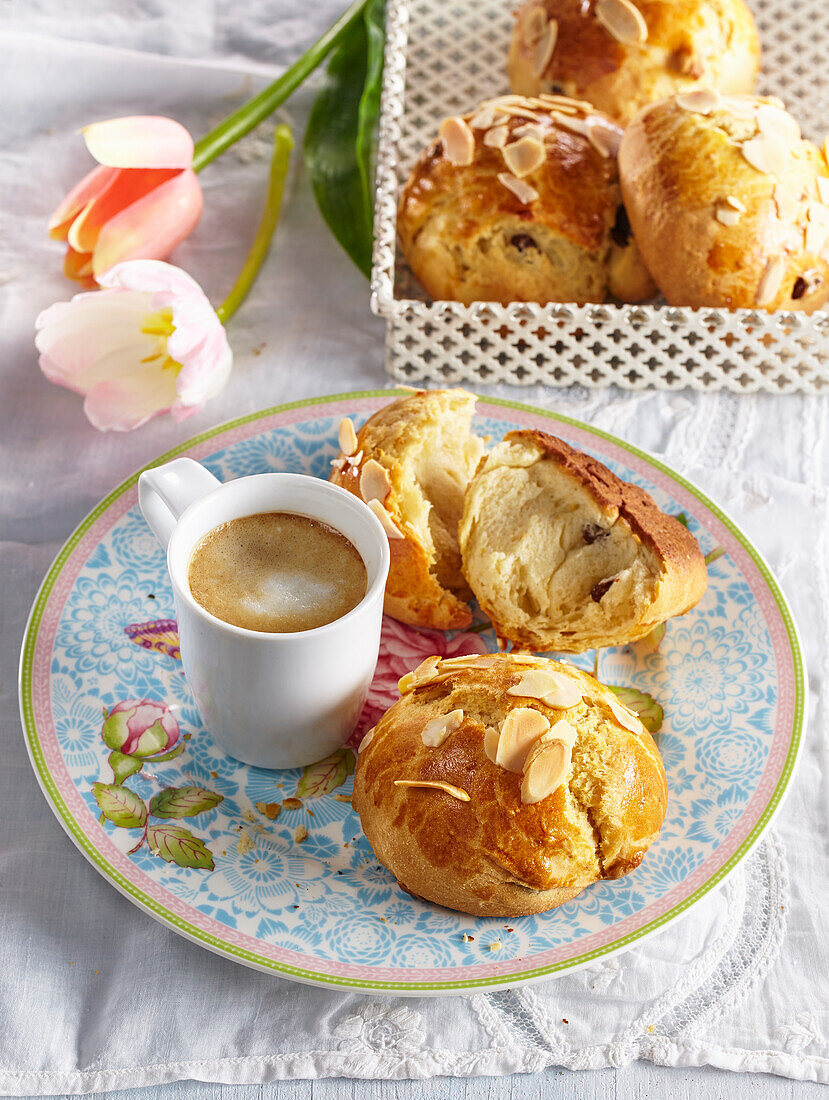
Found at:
(164, 493)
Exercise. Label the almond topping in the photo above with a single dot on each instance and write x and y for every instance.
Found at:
(533, 130)
(702, 101)
(520, 730)
(625, 716)
(354, 460)
(767, 154)
(784, 202)
(823, 189)
(771, 280)
(623, 20)
(497, 137)
(424, 672)
(491, 739)
(575, 124)
(522, 191)
(604, 138)
(817, 228)
(347, 437)
(374, 482)
(544, 48)
(566, 103)
(553, 688)
(775, 123)
(735, 203)
(524, 156)
(458, 141)
(536, 24)
(545, 772)
(436, 785)
(338, 463)
(484, 118)
(726, 216)
(468, 660)
(434, 733)
(366, 741)
(389, 526)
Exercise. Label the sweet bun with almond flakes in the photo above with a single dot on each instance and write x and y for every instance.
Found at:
(505, 785)
(728, 204)
(519, 200)
(411, 463)
(623, 54)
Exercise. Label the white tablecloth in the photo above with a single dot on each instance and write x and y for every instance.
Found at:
(94, 994)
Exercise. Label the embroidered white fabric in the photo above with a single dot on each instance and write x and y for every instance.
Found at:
(94, 994)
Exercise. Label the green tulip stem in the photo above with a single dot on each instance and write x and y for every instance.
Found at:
(256, 110)
(283, 143)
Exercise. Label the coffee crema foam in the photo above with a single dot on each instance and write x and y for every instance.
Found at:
(276, 572)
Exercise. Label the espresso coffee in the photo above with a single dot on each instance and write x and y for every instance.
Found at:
(277, 573)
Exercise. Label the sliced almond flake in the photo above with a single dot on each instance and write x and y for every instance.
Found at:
(766, 154)
(434, 733)
(521, 728)
(497, 137)
(726, 216)
(366, 741)
(776, 123)
(347, 436)
(491, 739)
(702, 101)
(816, 232)
(566, 103)
(524, 156)
(533, 130)
(469, 660)
(510, 100)
(544, 48)
(484, 118)
(823, 189)
(458, 141)
(545, 772)
(575, 124)
(423, 674)
(524, 658)
(604, 138)
(536, 24)
(771, 280)
(435, 785)
(388, 524)
(522, 191)
(775, 102)
(623, 20)
(553, 688)
(521, 112)
(354, 460)
(623, 715)
(735, 203)
(785, 204)
(374, 482)
(338, 463)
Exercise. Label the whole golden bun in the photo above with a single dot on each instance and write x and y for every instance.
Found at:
(536, 218)
(563, 555)
(592, 772)
(623, 54)
(411, 461)
(727, 203)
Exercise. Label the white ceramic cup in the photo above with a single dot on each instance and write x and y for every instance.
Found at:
(273, 700)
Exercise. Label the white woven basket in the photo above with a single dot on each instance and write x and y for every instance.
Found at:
(442, 56)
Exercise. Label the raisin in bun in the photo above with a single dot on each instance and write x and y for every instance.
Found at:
(411, 462)
(563, 555)
(502, 786)
(728, 203)
(519, 200)
(623, 54)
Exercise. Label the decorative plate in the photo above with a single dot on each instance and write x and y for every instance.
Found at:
(271, 868)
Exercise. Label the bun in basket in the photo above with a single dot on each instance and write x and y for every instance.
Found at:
(504, 785)
(729, 206)
(411, 462)
(623, 54)
(563, 555)
(519, 200)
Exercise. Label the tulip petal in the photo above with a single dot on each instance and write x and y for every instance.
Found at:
(140, 141)
(127, 187)
(128, 402)
(89, 188)
(151, 227)
(118, 363)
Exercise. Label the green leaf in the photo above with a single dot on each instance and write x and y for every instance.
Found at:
(717, 552)
(642, 704)
(340, 135)
(123, 766)
(175, 844)
(683, 519)
(183, 802)
(120, 805)
(326, 775)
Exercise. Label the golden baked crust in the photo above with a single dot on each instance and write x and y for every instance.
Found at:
(423, 442)
(495, 855)
(685, 173)
(563, 555)
(468, 238)
(688, 43)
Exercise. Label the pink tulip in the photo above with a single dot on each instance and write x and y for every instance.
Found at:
(139, 203)
(140, 727)
(149, 343)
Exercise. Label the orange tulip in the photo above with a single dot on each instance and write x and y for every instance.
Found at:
(139, 203)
